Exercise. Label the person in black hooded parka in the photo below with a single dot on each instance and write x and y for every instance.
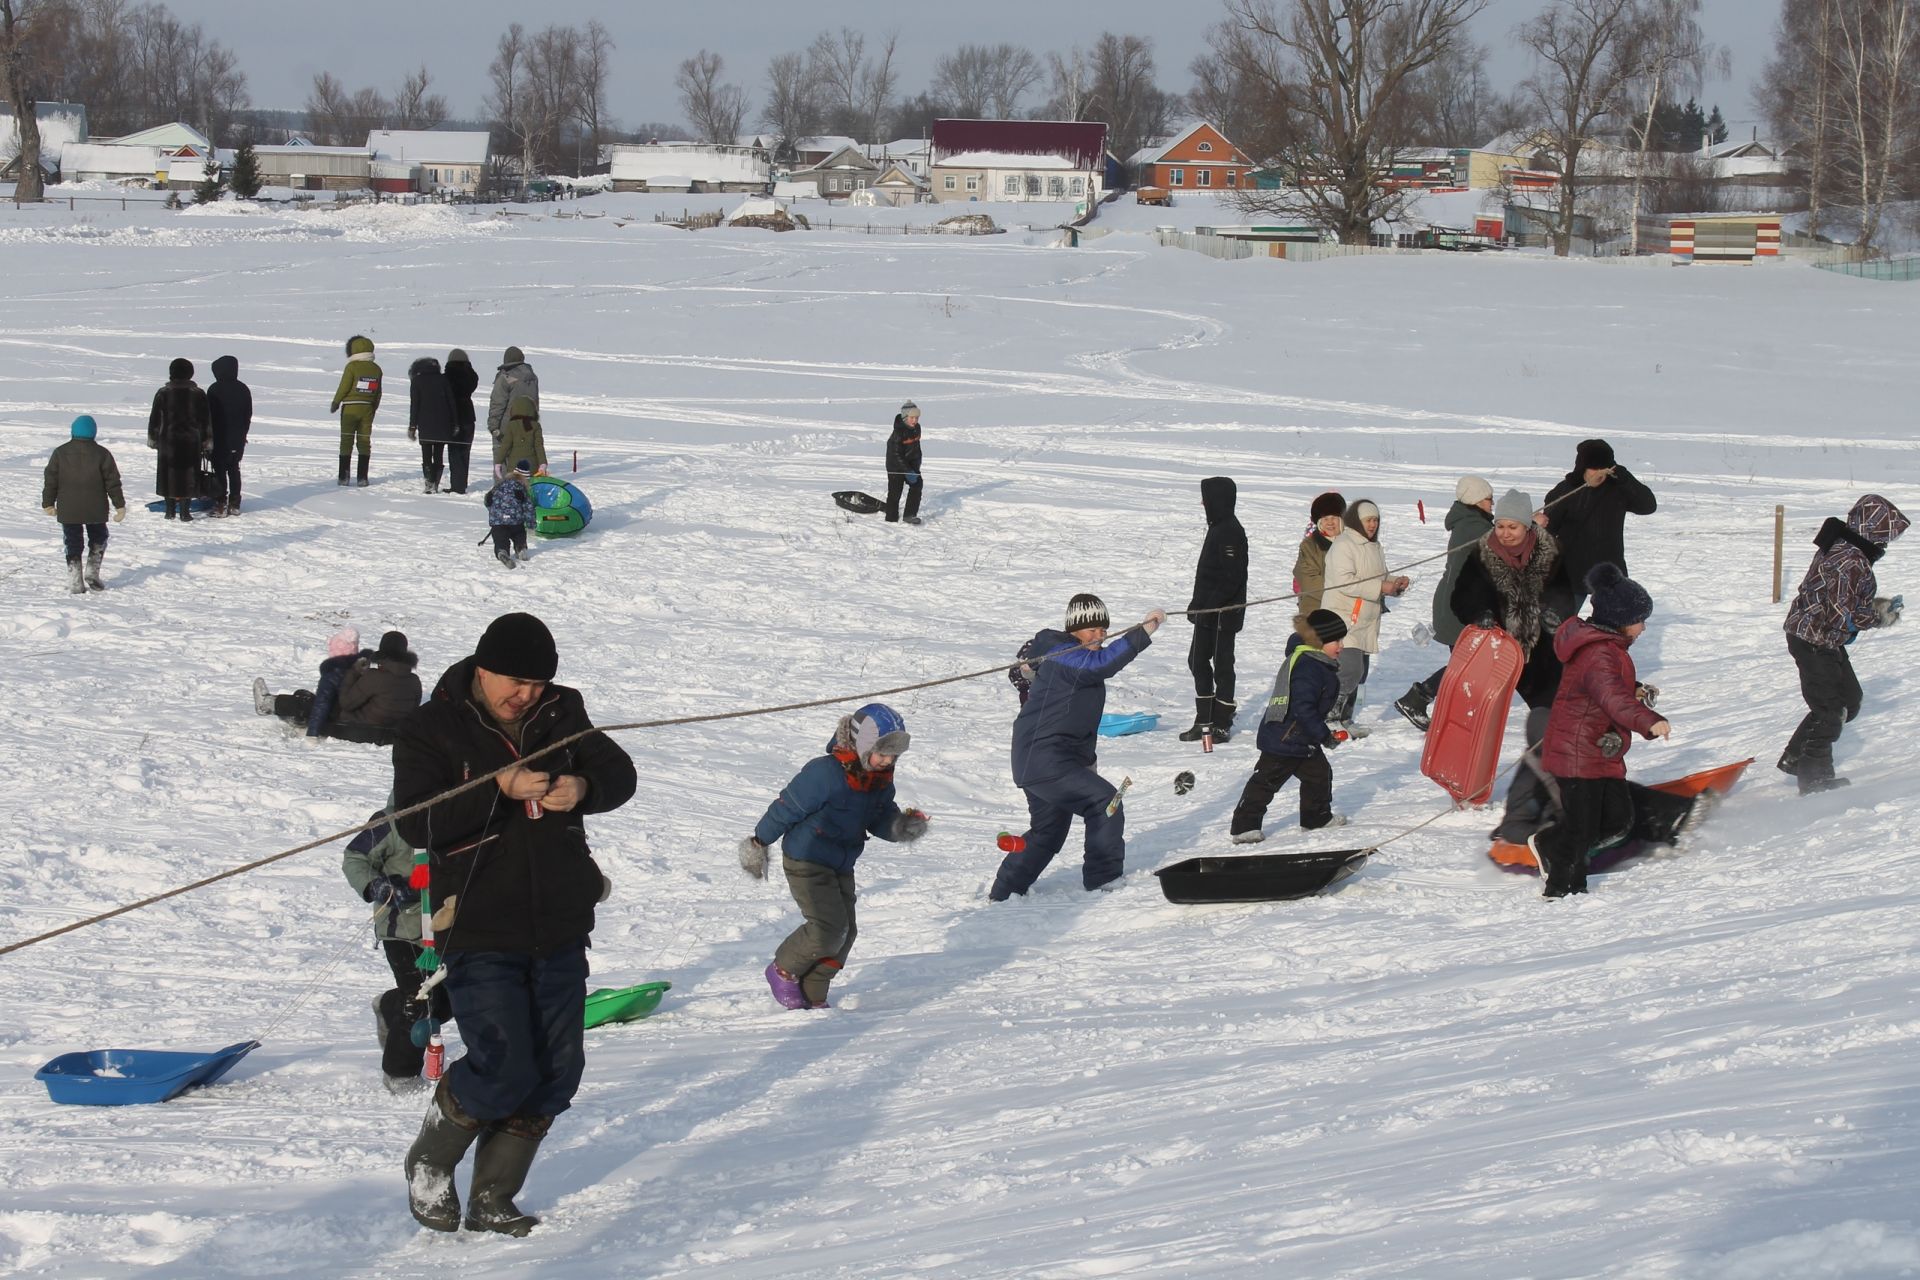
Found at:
(1220, 579)
(180, 432)
(464, 380)
(230, 404)
(903, 464)
(433, 418)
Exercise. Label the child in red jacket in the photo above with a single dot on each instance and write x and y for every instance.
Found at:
(1595, 715)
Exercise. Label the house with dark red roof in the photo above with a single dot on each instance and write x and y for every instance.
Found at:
(1018, 160)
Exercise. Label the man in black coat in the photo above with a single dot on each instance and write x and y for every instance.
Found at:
(510, 866)
(180, 432)
(903, 464)
(433, 419)
(1587, 512)
(463, 379)
(1220, 579)
(230, 406)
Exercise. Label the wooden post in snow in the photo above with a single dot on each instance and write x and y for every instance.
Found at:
(1779, 539)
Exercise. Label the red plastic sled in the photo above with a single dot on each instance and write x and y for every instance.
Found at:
(1517, 857)
(1470, 715)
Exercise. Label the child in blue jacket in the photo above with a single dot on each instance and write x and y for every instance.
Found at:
(822, 820)
(316, 709)
(509, 512)
(1294, 732)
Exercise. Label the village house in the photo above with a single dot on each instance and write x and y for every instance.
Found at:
(1196, 158)
(1018, 160)
(838, 175)
(300, 165)
(689, 167)
(448, 160)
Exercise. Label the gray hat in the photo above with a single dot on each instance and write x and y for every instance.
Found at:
(909, 407)
(1515, 506)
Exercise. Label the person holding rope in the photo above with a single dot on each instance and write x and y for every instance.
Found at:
(1295, 735)
(1357, 587)
(1219, 580)
(1469, 519)
(1587, 511)
(1053, 748)
(379, 864)
(516, 883)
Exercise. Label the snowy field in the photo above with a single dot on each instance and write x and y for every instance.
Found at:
(1704, 1069)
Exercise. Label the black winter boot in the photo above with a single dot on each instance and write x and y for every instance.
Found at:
(1202, 718)
(360, 478)
(94, 559)
(1223, 712)
(445, 1135)
(1415, 706)
(76, 585)
(346, 460)
(169, 507)
(500, 1165)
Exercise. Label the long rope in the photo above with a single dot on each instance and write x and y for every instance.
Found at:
(673, 722)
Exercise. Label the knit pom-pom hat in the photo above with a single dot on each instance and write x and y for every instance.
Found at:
(344, 643)
(1618, 601)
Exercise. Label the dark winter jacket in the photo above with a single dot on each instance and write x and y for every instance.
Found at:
(463, 380)
(1221, 576)
(326, 690)
(430, 407)
(380, 690)
(230, 406)
(1054, 732)
(903, 448)
(509, 504)
(520, 876)
(1595, 714)
(1303, 693)
(1309, 581)
(379, 851)
(828, 810)
(81, 480)
(1528, 605)
(1466, 525)
(509, 381)
(180, 431)
(1592, 523)
(1836, 597)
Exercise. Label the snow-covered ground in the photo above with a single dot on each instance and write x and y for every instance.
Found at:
(1703, 1069)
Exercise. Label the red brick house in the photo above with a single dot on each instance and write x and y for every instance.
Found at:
(1198, 159)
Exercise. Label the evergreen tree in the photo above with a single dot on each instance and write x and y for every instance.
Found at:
(245, 179)
(1716, 127)
(209, 189)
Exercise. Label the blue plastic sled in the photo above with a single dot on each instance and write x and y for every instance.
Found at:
(121, 1077)
(194, 505)
(1118, 724)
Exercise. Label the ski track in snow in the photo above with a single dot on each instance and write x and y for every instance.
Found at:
(1702, 1069)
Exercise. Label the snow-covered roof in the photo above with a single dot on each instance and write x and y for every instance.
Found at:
(60, 123)
(757, 207)
(429, 146)
(1745, 149)
(688, 162)
(827, 142)
(169, 137)
(300, 146)
(851, 156)
(897, 172)
(1004, 160)
(109, 158)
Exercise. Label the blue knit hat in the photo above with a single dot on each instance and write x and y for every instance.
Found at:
(1618, 601)
(878, 727)
(85, 428)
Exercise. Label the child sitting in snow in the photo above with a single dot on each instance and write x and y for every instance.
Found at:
(822, 819)
(509, 512)
(1294, 731)
(314, 708)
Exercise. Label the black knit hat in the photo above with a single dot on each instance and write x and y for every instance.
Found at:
(518, 645)
(180, 370)
(394, 645)
(1328, 504)
(1327, 625)
(1593, 455)
(1618, 601)
(1086, 610)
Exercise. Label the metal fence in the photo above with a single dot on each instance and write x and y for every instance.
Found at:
(1902, 268)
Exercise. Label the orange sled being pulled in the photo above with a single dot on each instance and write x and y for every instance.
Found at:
(1517, 857)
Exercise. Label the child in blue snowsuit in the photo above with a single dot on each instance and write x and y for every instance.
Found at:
(1294, 732)
(822, 819)
(509, 512)
(315, 709)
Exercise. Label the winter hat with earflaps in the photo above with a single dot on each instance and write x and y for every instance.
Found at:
(1515, 506)
(878, 727)
(344, 643)
(1618, 601)
(1472, 490)
(1086, 610)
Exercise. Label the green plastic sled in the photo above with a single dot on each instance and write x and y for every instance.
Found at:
(624, 1004)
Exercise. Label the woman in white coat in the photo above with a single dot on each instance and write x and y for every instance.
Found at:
(1357, 582)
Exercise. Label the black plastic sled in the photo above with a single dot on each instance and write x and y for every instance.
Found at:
(1265, 877)
(861, 504)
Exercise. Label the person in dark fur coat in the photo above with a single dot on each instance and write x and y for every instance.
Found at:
(433, 419)
(377, 692)
(230, 404)
(903, 464)
(463, 379)
(1220, 579)
(180, 432)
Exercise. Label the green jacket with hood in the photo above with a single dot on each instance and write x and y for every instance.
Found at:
(360, 380)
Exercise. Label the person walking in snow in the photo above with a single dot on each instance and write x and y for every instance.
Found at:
(81, 481)
(1310, 563)
(356, 400)
(1219, 580)
(1587, 511)
(230, 408)
(1054, 748)
(1294, 733)
(1357, 588)
(379, 866)
(903, 464)
(521, 439)
(463, 381)
(317, 707)
(1469, 519)
(180, 432)
(433, 419)
(509, 512)
(1837, 600)
(822, 819)
(510, 863)
(513, 379)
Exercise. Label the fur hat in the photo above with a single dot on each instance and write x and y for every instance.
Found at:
(878, 727)
(1328, 504)
(179, 370)
(457, 356)
(1593, 455)
(393, 645)
(1618, 601)
(1472, 490)
(1086, 610)
(344, 643)
(518, 645)
(1327, 625)
(1515, 506)
(84, 427)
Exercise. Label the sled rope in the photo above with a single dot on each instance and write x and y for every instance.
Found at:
(307, 992)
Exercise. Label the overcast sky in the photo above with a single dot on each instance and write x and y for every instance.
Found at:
(283, 46)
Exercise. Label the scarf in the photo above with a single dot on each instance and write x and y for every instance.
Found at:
(1516, 557)
(1519, 585)
(859, 777)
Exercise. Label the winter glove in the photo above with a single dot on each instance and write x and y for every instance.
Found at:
(119, 514)
(1334, 739)
(753, 858)
(1487, 621)
(1611, 744)
(393, 891)
(50, 511)
(913, 477)
(909, 826)
(1888, 611)
(1646, 693)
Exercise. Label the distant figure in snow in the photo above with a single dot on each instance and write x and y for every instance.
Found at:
(822, 819)
(356, 400)
(360, 696)
(81, 480)
(433, 419)
(379, 866)
(1587, 511)
(521, 440)
(463, 381)
(1836, 602)
(316, 707)
(1294, 733)
(903, 464)
(514, 378)
(509, 512)
(230, 404)
(1357, 588)
(180, 432)
(1327, 516)
(1219, 580)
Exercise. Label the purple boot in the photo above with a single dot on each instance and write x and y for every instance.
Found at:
(785, 990)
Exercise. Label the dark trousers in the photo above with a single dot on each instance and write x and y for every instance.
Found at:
(1210, 658)
(815, 952)
(896, 481)
(96, 538)
(1527, 796)
(433, 455)
(295, 706)
(457, 456)
(508, 536)
(523, 1020)
(1272, 772)
(1431, 685)
(401, 1056)
(1593, 812)
(1051, 809)
(1832, 694)
(226, 477)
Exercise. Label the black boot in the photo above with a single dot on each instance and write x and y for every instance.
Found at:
(346, 460)
(445, 1135)
(1414, 705)
(1202, 719)
(360, 478)
(500, 1165)
(94, 559)
(169, 507)
(1223, 719)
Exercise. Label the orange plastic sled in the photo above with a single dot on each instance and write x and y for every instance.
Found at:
(1520, 858)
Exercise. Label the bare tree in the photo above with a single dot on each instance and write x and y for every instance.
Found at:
(413, 107)
(1453, 104)
(713, 110)
(1796, 93)
(1337, 77)
(792, 108)
(595, 69)
(548, 91)
(506, 84)
(977, 80)
(327, 110)
(878, 81)
(854, 87)
(1070, 85)
(1125, 94)
(27, 28)
(1876, 48)
(1676, 59)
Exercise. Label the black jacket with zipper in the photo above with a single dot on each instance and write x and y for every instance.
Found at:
(526, 884)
